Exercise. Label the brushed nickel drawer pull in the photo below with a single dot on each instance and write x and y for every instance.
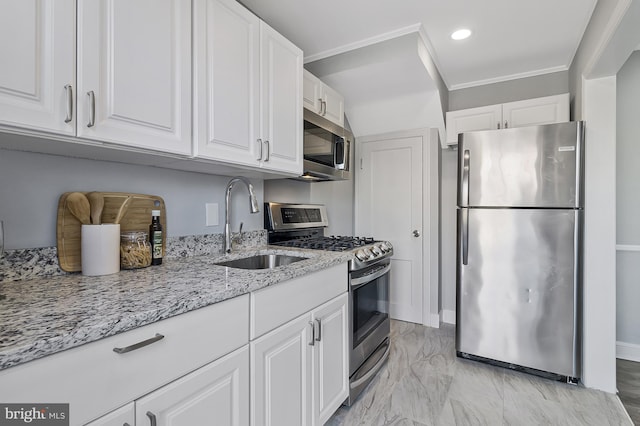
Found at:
(139, 345)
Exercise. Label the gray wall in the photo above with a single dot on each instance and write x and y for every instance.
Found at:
(588, 46)
(628, 200)
(513, 90)
(31, 184)
(508, 91)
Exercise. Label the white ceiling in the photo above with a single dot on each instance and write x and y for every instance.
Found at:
(511, 38)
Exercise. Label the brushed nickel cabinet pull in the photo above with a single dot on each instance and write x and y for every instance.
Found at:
(260, 145)
(320, 100)
(92, 109)
(69, 91)
(498, 124)
(152, 418)
(319, 336)
(506, 124)
(268, 151)
(139, 345)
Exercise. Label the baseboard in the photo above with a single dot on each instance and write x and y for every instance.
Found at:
(628, 351)
(434, 321)
(448, 316)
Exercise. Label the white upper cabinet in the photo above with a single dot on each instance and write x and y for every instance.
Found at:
(281, 86)
(247, 89)
(227, 82)
(322, 99)
(530, 112)
(472, 119)
(37, 76)
(533, 112)
(134, 73)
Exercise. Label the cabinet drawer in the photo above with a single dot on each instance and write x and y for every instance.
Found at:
(278, 304)
(94, 379)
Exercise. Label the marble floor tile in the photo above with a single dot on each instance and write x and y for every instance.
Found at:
(423, 384)
(628, 382)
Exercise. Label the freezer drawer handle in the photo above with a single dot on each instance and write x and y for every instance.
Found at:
(139, 345)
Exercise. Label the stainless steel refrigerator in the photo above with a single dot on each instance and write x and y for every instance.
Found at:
(519, 248)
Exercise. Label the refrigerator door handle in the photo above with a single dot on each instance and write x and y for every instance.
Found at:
(465, 236)
(465, 178)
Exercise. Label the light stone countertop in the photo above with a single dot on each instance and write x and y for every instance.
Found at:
(40, 317)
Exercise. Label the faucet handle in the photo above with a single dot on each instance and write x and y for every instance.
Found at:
(240, 230)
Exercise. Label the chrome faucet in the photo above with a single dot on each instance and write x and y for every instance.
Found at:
(253, 206)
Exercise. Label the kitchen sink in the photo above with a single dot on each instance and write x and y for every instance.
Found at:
(262, 261)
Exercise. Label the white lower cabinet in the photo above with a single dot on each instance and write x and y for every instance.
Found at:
(300, 369)
(123, 416)
(216, 394)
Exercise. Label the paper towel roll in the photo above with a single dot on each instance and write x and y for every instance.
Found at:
(100, 249)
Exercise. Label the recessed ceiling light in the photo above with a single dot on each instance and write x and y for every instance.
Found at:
(461, 34)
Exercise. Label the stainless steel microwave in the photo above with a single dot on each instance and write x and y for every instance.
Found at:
(327, 149)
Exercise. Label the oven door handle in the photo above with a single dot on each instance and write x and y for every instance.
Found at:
(360, 281)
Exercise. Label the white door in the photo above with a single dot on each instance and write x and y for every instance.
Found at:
(389, 207)
(281, 86)
(37, 76)
(123, 416)
(281, 375)
(331, 364)
(227, 82)
(134, 73)
(216, 394)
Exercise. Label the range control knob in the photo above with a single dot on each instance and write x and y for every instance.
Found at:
(389, 246)
(368, 253)
(377, 251)
(361, 256)
(384, 247)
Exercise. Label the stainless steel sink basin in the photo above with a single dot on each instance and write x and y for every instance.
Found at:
(262, 261)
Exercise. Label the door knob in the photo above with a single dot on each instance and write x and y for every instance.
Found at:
(416, 233)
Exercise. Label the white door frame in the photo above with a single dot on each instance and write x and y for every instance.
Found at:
(430, 214)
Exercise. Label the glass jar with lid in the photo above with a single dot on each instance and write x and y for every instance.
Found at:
(135, 250)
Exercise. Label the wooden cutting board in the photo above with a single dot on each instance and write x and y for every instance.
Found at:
(136, 218)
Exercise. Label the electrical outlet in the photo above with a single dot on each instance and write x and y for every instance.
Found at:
(211, 214)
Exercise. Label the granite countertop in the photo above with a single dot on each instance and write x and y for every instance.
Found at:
(43, 316)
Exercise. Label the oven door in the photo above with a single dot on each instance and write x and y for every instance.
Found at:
(369, 320)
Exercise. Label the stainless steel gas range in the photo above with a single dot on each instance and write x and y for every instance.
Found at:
(302, 226)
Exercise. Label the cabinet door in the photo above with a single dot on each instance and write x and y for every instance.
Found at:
(331, 364)
(123, 416)
(216, 394)
(281, 85)
(534, 112)
(333, 106)
(281, 375)
(134, 73)
(472, 119)
(311, 92)
(227, 82)
(37, 47)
